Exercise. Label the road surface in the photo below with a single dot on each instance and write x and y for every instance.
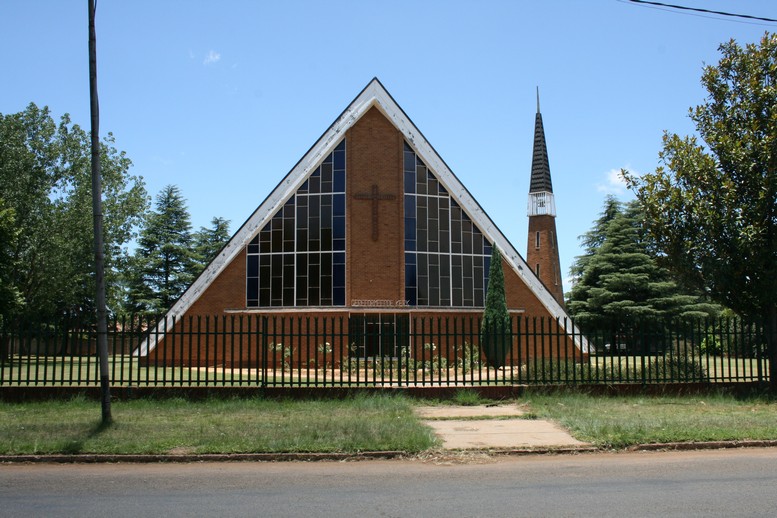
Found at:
(709, 483)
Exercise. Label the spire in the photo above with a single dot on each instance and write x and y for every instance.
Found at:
(540, 168)
(538, 99)
(542, 253)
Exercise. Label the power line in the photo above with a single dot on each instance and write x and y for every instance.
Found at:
(707, 11)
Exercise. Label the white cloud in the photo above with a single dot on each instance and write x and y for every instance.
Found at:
(211, 57)
(614, 182)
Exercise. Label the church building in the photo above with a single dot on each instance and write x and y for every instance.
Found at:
(371, 229)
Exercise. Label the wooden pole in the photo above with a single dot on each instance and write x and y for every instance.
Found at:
(97, 211)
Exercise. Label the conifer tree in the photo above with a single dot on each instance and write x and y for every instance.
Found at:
(495, 337)
(208, 241)
(621, 283)
(162, 266)
(594, 238)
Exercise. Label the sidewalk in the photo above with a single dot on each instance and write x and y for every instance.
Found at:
(502, 427)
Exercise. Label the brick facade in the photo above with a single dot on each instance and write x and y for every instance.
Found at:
(542, 252)
(374, 159)
(374, 271)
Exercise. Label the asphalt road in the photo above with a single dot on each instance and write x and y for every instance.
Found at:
(710, 483)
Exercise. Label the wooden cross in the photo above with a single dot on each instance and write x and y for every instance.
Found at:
(375, 196)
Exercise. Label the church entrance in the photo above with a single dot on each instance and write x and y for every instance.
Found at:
(378, 335)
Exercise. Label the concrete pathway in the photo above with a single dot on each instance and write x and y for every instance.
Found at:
(494, 427)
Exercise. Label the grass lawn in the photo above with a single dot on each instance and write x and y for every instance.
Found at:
(361, 423)
(617, 422)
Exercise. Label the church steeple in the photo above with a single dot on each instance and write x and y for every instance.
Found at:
(541, 187)
(542, 252)
(540, 169)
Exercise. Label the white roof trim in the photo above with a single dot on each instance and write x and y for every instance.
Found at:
(374, 94)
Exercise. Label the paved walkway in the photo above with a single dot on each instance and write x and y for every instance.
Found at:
(494, 427)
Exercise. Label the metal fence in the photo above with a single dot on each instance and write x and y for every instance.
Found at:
(380, 350)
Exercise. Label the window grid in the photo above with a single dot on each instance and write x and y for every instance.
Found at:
(298, 258)
(447, 258)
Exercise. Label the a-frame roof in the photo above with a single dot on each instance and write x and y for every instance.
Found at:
(373, 95)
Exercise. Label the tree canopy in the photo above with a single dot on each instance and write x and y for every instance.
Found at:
(45, 183)
(712, 204)
(10, 299)
(619, 282)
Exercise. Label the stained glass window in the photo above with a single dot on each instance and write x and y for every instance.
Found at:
(446, 256)
(298, 257)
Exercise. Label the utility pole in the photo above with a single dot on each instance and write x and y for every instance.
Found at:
(97, 211)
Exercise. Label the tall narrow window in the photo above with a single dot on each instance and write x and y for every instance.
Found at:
(298, 257)
(537, 241)
(446, 256)
(537, 269)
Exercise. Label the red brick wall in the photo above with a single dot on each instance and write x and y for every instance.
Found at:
(375, 268)
(546, 255)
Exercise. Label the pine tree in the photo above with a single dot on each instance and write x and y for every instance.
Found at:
(495, 328)
(208, 242)
(594, 238)
(162, 266)
(622, 284)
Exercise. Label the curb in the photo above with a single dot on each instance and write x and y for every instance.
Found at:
(709, 445)
(206, 457)
(373, 455)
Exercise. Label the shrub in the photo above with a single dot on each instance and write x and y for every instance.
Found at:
(679, 365)
(554, 370)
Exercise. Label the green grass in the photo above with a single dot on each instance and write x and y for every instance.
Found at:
(617, 422)
(362, 423)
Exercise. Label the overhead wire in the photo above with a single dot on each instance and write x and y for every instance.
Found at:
(705, 11)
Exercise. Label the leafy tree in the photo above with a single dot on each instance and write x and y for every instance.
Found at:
(208, 241)
(620, 283)
(712, 205)
(45, 177)
(162, 266)
(495, 327)
(10, 300)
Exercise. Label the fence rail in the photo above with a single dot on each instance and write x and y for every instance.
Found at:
(254, 350)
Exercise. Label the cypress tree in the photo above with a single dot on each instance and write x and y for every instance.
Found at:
(495, 337)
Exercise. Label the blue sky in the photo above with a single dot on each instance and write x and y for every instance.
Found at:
(222, 98)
